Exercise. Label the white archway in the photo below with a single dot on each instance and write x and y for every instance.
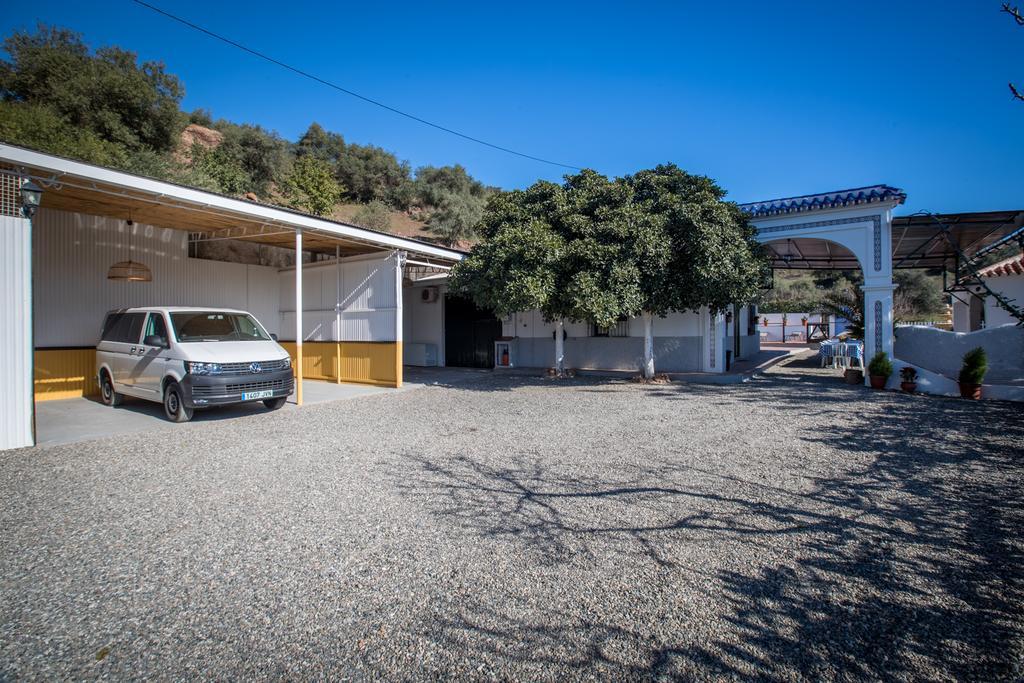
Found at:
(860, 221)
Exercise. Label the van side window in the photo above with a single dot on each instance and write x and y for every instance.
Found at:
(123, 327)
(156, 326)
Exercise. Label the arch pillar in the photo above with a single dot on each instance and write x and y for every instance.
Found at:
(878, 318)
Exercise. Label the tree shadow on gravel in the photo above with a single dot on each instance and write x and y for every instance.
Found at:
(909, 564)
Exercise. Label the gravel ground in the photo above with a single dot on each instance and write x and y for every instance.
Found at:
(521, 528)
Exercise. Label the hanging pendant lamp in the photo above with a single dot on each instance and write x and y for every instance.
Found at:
(130, 271)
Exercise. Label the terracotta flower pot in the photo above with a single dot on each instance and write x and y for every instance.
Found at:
(878, 381)
(853, 376)
(970, 390)
(908, 387)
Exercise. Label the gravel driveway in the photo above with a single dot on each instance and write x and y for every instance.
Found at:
(522, 528)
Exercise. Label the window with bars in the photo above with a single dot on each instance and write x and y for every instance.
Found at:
(619, 329)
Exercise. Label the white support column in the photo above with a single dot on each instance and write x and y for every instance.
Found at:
(878, 320)
(399, 265)
(337, 311)
(560, 347)
(648, 369)
(298, 317)
(714, 341)
(878, 292)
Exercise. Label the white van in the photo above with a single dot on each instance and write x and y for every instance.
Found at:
(190, 358)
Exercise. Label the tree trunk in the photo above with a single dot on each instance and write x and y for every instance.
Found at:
(559, 347)
(648, 345)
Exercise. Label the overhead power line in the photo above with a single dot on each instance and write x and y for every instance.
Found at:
(337, 87)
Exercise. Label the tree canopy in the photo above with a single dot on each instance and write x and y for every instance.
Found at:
(597, 250)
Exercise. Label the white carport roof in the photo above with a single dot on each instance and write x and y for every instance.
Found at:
(86, 188)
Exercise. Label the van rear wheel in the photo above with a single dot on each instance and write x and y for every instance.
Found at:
(107, 393)
(174, 406)
(275, 403)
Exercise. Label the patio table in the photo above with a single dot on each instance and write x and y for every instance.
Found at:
(835, 353)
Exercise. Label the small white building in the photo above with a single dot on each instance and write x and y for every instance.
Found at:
(975, 309)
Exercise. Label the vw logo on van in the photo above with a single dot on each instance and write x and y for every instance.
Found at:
(255, 368)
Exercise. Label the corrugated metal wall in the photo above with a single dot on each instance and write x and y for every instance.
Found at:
(366, 301)
(16, 408)
(73, 251)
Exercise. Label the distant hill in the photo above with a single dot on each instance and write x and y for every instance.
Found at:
(58, 95)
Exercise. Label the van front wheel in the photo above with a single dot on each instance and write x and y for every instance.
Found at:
(174, 407)
(275, 403)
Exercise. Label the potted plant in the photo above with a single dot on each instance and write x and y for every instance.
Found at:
(908, 375)
(879, 370)
(765, 321)
(972, 372)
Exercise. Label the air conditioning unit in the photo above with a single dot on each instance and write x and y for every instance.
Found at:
(428, 295)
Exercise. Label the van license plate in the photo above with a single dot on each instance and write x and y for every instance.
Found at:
(254, 395)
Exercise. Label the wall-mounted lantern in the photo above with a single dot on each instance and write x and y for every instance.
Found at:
(31, 197)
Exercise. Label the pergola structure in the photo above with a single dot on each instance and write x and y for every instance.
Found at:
(851, 229)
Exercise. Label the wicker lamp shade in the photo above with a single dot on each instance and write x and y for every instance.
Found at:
(132, 271)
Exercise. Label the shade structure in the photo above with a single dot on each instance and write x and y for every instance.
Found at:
(131, 271)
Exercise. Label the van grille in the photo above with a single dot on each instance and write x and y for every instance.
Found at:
(243, 368)
(242, 387)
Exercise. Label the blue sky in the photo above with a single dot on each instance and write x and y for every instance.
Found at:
(771, 99)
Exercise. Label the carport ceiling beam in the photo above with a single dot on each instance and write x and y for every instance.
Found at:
(243, 237)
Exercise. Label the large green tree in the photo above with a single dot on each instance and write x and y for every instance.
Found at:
(594, 250)
(106, 93)
(547, 248)
(693, 248)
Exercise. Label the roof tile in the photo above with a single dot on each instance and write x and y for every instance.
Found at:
(826, 200)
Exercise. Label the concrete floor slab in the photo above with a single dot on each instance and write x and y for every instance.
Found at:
(82, 419)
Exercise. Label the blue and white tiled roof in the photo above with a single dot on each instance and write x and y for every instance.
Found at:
(826, 200)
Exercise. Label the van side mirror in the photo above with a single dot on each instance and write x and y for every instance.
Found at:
(273, 336)
(155, 340)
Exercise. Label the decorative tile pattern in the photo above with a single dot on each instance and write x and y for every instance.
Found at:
(878, 243)
(878, 326)
(714, 334)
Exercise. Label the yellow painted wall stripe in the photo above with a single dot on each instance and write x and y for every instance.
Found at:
(377, 363)
(64, 373)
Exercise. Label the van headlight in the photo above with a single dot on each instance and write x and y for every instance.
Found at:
(202, 368)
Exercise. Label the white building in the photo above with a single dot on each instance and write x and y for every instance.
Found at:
(975, 309)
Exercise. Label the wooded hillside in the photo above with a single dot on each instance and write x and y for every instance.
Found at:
(103, 106)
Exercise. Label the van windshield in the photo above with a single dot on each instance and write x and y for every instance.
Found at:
(206, 326)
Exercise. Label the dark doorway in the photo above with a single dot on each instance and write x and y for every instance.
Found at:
(469, 334)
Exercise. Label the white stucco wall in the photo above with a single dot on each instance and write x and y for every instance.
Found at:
(1010, 286)
(793, 324)
(531, 324)
(423, 321)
